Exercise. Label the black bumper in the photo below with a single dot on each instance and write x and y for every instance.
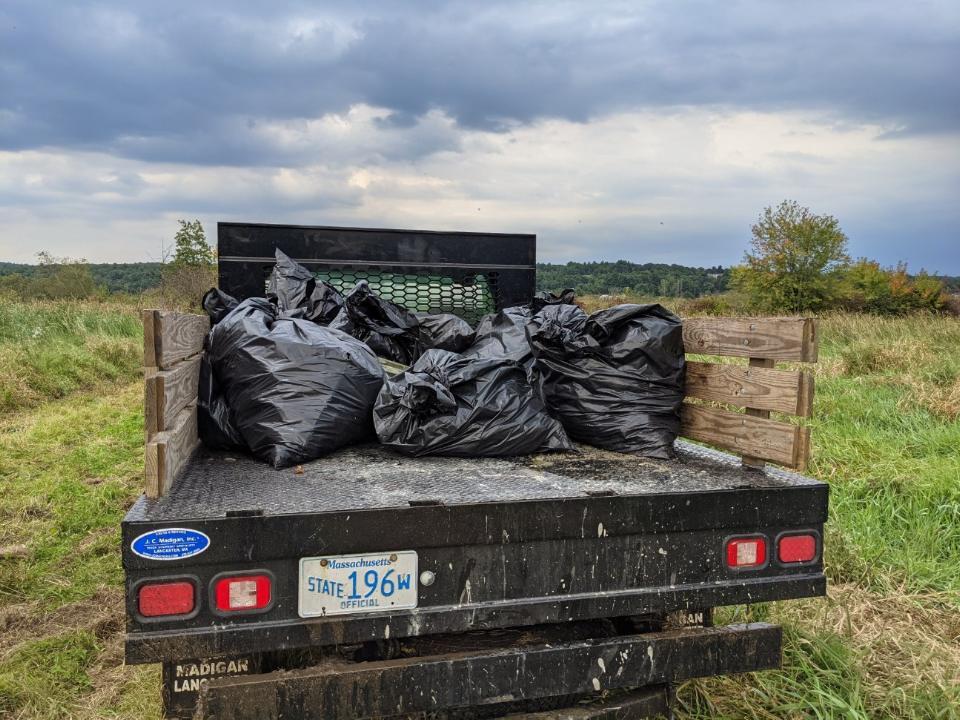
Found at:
(221, 640)
(493, 677)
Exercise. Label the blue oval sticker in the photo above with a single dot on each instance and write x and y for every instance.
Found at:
(170, 544)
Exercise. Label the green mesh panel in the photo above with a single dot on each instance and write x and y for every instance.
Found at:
(471, 296)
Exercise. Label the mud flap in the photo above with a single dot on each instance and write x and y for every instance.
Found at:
(492, 676)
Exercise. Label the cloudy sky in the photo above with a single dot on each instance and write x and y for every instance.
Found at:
(648, 131)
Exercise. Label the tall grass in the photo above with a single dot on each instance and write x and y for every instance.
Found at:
(50, 349)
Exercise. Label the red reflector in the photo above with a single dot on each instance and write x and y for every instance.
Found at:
(797, 548)
(746, 552)
(244, 592)
(171, 598)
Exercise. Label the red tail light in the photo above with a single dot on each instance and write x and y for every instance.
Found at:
(169, 598)
(746, 552)
(243, 592)
(797, 548)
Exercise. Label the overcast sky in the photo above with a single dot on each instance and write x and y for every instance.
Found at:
(647, 131)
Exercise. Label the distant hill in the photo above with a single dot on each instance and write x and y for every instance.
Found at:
(602, 278)
(117, 277)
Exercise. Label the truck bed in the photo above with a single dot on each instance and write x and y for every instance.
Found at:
(215, 484)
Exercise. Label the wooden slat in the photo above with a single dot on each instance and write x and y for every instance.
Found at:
(176, 336)
(758, 364)
(167, 392)
(168, 451)
(753, 436)
(773, 338)
(805, 399)
(150, 319)
(786, 391)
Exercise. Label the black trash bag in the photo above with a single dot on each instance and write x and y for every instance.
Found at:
(544, 298)
(297, 390)
(391, 331)
(615, 379)
(215, 423)
(502, 335)
(218, 304)
(445, 331)
(293, 287)
(447, 404)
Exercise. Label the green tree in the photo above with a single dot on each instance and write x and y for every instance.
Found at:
(193, 269)
(191, 245)
(795, 261)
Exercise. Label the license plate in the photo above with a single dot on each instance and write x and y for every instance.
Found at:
(346, 584)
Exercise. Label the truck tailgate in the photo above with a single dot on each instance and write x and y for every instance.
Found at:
(508, 542)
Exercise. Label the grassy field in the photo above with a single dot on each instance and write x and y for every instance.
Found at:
(885, 644)
(49, 350)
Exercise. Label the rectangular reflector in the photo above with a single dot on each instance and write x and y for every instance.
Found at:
(244, 592)
(170, 598)
(746, 552)
(797, 548)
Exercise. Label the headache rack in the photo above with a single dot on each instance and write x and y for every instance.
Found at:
(468, 274)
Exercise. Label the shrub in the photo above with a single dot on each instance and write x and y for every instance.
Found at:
(870, 288)
(55, 278)
(707, 305)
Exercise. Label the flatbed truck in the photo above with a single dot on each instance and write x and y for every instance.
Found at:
(367, 584)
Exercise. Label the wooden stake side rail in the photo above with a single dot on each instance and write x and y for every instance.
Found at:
(759, 388)
(173, 342)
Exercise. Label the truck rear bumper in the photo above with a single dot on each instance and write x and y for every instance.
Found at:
(223, 640)
(495, 677)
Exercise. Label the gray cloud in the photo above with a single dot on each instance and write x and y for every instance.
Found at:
(194, 83)
(647, 131)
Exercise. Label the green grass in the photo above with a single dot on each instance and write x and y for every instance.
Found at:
(42, 676)
(885, 644)
(68, 471)
(66, 474)
(51, 349)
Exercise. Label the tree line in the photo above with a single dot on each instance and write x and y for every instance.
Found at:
(623, 277)
(130, 278)
(797, 262)
(588, 278)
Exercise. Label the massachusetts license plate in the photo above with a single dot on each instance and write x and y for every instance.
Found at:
(344, 584)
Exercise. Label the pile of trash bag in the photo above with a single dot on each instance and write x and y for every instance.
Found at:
(287, 388)
(295, 375)
(450, 404)
(615, 378)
